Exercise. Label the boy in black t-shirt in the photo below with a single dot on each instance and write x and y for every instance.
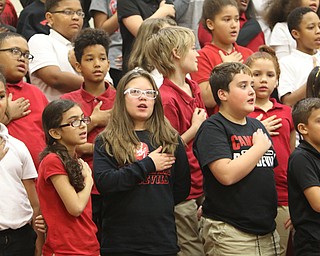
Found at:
(304, 178)
(237, 159)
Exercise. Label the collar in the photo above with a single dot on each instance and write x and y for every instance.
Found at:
(194, 89)
(89, 97)
(19, 84)
(57, 36)
(301, 54)
(217, 49)
(275, 105)
(308, 147)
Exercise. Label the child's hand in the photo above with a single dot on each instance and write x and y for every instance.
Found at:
(233, 57)
(199, 115)
(18, 108)
(272, 123)
(162, 161)
(72, 58)
(166, 10)
(260, 139)
(3, 149)
(40, 224)
(86, 170)
(100, 117)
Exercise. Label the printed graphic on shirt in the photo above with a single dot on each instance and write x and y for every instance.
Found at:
(154, 178)
(239, 141)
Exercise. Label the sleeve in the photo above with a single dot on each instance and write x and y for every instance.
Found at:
(287, 78)
(182, 178)
(100, 6)
(52, 165)
(303, 171)
(127, 8)
(109, 177)
(43, 52)
(204, 68)
(211, 143)
(28, 169)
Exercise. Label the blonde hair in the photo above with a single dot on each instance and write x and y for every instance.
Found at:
(119, 135)
(148, 27)
(159, 48)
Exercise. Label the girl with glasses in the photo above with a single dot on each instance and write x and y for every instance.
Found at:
(65, 183)
(141, 170)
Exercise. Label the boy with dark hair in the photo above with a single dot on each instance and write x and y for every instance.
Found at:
(51, 70)
(303, 24)
(237, 159)
(25, 101)
(304, 178)
(95, 96)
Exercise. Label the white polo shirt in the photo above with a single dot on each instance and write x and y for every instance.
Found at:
(49, 50)
(15, 166)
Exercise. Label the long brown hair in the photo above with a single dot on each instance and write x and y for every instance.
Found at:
(119, 135)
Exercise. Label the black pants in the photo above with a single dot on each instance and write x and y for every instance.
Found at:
(18, 242)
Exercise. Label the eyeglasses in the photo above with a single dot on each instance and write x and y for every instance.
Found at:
(77, 123)
(136, 93)
(18, 53)
(71, 13)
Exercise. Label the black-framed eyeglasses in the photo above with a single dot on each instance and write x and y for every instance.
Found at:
(136, 93)
(15, 51)
(78, 122)
(68, 12)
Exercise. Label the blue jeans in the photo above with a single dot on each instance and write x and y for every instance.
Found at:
(18, 242)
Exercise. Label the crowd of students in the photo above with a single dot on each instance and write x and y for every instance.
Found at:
(152, 146)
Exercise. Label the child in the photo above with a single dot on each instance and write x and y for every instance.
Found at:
(276, 16)
(304, 26)
(250, 33)
(313, 83)
(141, 170)
(19, 203)
(26, 102)
(184, 109)
(95, 97)
(51, 70)
(105, 16)
(65, 182)
(138, 57)
(278, 121)
(237, 160)
(304, 178)
(221, 19)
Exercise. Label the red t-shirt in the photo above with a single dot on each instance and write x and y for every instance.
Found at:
(87, 103)
(208, 59)
(28, 129)
(66, 235)
(281, 145)
(178, 108)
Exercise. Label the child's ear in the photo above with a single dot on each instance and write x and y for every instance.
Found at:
(295, 33)
(54, 133)
(49, 18)
(210, 24)
(222, 95)
(302, 129)
(78, 67)
(175, 53)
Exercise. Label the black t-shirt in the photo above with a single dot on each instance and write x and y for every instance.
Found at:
(250, 204)
(304, 172)
(138, 201)
(144, 8)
